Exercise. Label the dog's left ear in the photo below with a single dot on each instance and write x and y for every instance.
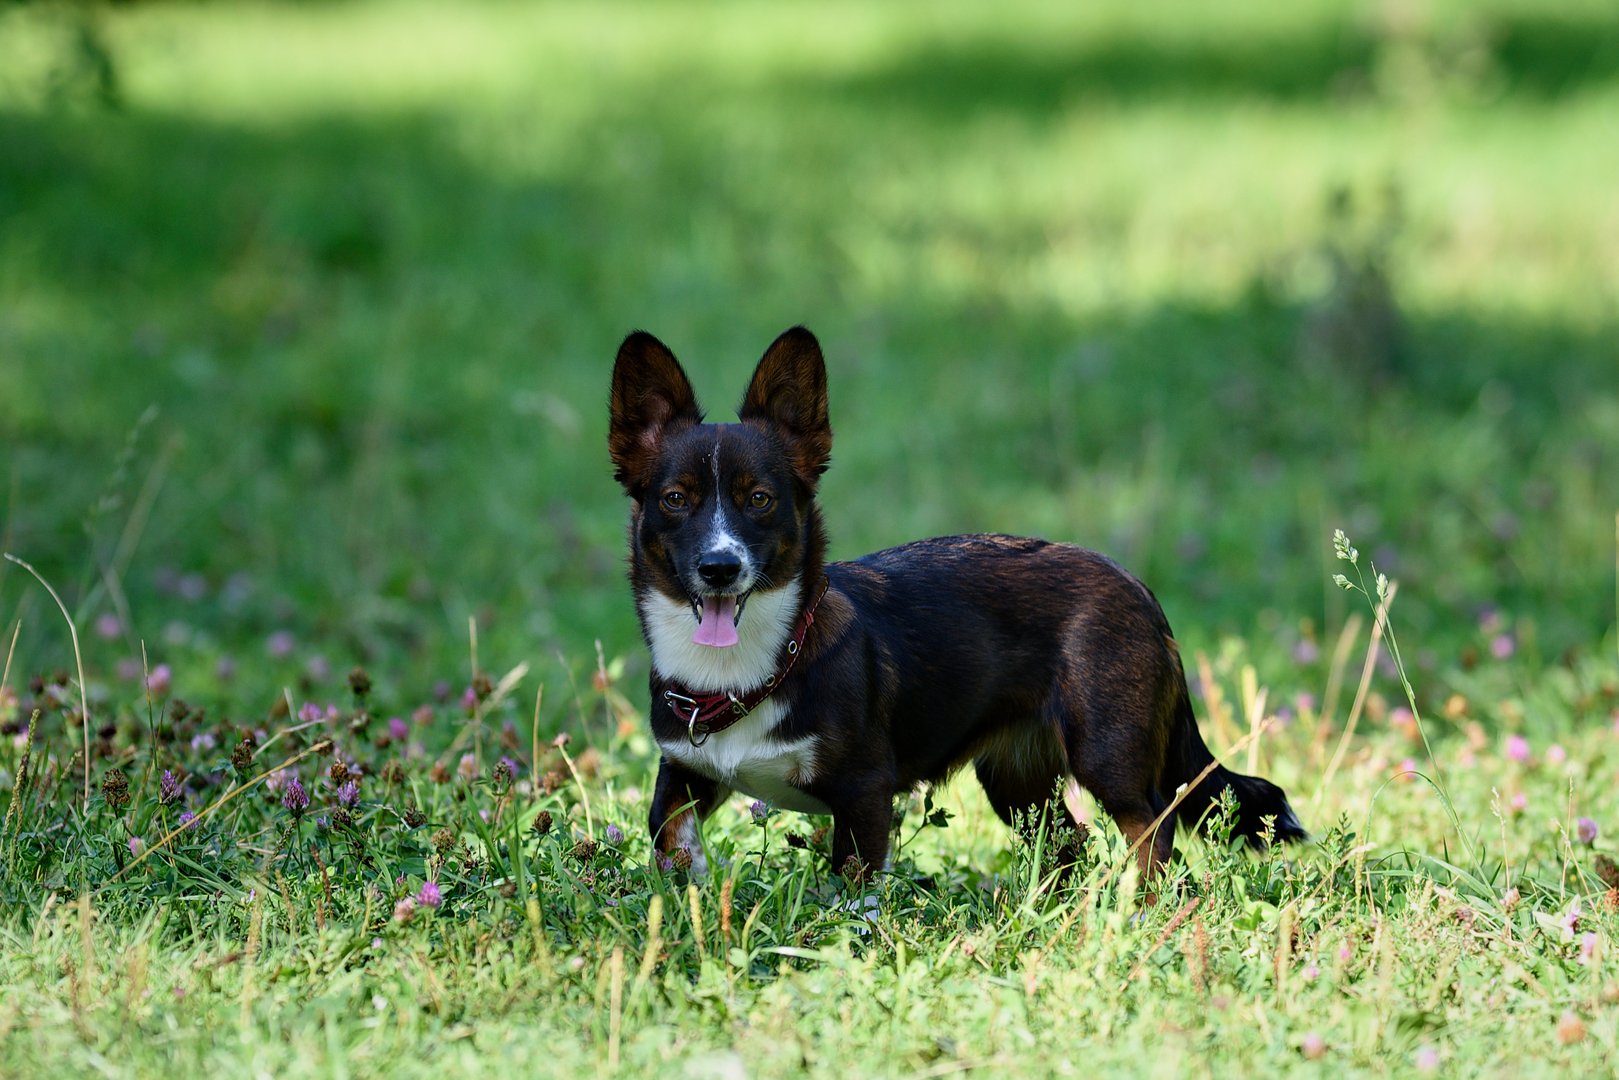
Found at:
(789, 390)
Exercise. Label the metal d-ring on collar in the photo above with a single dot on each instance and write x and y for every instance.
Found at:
(705, 714)
(697, 732)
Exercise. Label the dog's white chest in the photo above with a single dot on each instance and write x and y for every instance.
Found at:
(747, 758)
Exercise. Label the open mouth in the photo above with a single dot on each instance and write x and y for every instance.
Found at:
(717, 619)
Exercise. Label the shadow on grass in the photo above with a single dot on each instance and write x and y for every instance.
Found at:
(383, 367)
(1536, 56)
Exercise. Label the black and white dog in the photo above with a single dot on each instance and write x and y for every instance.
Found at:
(832, 688)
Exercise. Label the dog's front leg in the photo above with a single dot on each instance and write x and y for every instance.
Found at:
(861, 823)
(680, 800)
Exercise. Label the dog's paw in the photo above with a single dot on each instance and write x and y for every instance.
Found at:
(864, 909)
(688, 860)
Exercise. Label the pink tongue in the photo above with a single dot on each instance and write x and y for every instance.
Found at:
(718, 625)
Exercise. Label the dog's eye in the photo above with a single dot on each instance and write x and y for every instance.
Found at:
(674, 500)
(760, 500)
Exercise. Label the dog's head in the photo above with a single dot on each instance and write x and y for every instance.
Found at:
(722, 511)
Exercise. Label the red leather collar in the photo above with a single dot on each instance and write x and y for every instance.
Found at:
(704, 714)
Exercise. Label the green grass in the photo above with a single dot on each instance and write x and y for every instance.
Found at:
(303, 364)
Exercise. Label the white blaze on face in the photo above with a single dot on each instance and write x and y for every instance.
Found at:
(719, 612)
(720, 539)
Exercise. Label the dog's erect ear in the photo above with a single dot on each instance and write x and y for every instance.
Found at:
(789, 390)
(651, 398)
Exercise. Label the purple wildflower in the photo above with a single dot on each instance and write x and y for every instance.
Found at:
(430, 895)
(168, 788)
(758, 811)
(193, 587)
(1585, 830)
(398, 730)
(1503, 646)
(159, 679)
(468, 768)
(404, 910)
(1556, 755)
(280, 644)
(296, 798)
(1306, 652)
(1427, 1060)
(1517, 748)
(309, 712)
(319, 668)
(108, 626)
(615, 835)
(349, 793)
(1588, 946)
(135, 845)
(188, 820)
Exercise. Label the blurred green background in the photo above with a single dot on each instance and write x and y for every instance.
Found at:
(307, 310)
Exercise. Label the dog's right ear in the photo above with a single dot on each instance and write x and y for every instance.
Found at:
(651, 398)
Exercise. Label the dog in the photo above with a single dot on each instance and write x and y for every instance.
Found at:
(831, 688)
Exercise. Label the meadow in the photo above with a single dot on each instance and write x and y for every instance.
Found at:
(304, 347)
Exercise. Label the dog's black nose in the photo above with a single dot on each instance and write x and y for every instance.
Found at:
(719, 568)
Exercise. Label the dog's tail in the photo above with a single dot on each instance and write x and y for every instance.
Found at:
(1257, 798)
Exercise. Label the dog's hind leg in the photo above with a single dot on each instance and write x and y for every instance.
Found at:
(1115, 727)
(1022, 772)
